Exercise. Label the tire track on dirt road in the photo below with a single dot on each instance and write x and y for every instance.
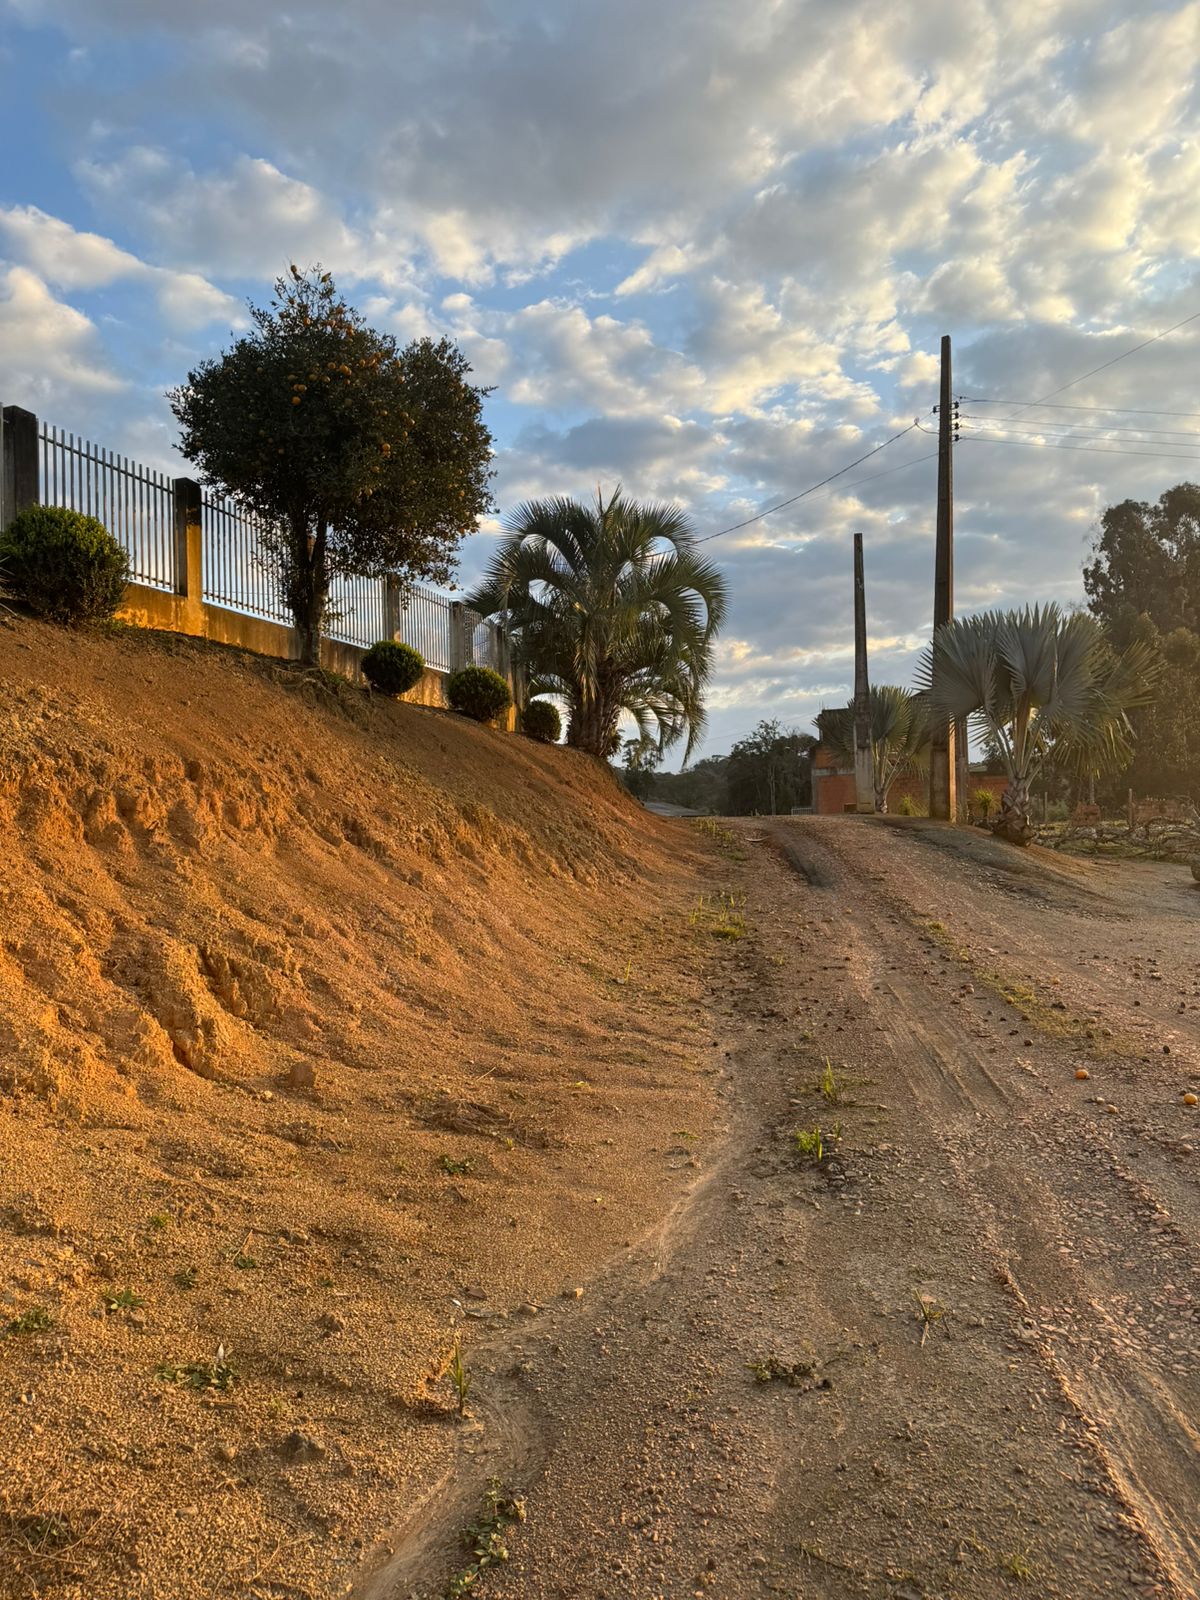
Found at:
(1031, 1168)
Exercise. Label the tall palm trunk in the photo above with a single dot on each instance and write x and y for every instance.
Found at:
(597, 724)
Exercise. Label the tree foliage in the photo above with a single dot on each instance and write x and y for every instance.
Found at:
(1045, 687)
(363, 457)
(642, 760)
(1146, 560)
(899, 736)
(769, 771)
(611, 607)
(1143, 584)
(768, 768)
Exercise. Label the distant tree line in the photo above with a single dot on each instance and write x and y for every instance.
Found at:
(1143, 585)
(765, 774)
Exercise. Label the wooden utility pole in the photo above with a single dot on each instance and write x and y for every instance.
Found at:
(941, 744)
(864, 764)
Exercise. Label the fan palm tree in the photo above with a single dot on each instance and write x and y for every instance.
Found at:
(899, 736)
(1041, 685)
(610, 607)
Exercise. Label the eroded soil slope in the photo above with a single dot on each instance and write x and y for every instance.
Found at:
(318, 1014)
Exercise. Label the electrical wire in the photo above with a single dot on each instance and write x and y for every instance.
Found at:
(1103, 430)
(1124, 411)
(1104, 366)
(930, 455)
(812, 489)
(1092, 449)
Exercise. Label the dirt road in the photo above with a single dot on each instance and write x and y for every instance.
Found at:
(954, 1357)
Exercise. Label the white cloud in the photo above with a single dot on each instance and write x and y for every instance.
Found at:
(75, 260)
(1137, 76)
(50, 349)
(250, 220)
(62, 254)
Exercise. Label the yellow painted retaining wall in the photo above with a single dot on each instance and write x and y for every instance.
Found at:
(155, 608)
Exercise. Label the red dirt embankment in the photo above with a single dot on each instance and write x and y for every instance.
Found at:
(221, 878)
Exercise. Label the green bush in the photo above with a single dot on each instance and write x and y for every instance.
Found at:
(63, 565)
(478, 692)
(393, 668)
(541, 721)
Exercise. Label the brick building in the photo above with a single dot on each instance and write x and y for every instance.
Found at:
(833, 786)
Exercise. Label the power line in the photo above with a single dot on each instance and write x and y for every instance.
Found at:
(1108, 431)
(812, 489)
(1104, 365)
(871, 476)
(1124, 411)
(929, 455)
(1093, 449)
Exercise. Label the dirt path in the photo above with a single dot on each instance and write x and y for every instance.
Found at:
(976, 1318)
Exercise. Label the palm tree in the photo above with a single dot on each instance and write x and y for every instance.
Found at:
(611, 607)
(1041, 685)
(899, 736)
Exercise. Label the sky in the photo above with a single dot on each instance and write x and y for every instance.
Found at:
(705, 249)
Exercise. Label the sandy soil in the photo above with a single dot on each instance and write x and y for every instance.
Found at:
(976, 1319)
(327, 1025)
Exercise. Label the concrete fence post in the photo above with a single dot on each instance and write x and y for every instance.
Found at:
(19, 477)
(460, 650)
(189, 554)
(516, 682)
(391, 606)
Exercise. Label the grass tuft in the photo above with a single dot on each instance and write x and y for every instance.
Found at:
(36, 1320)
(123, 1300)
(485, 1540)
(460, 1378)
(215, 1374)
(815, 1145)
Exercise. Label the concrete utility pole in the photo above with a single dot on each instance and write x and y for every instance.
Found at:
(941, 744)
(864, 764)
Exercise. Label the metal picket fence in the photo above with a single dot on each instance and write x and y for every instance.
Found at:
(357, 611)
(136, 503)
(237, 571)
(140, 506)
(425, 622)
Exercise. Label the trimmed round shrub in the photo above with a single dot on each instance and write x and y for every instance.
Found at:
(63, 565)
(478, 692)
(393, 668)
(542, 722)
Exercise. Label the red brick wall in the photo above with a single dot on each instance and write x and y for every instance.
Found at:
(835, 793)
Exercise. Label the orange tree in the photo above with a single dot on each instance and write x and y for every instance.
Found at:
(363, 457)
